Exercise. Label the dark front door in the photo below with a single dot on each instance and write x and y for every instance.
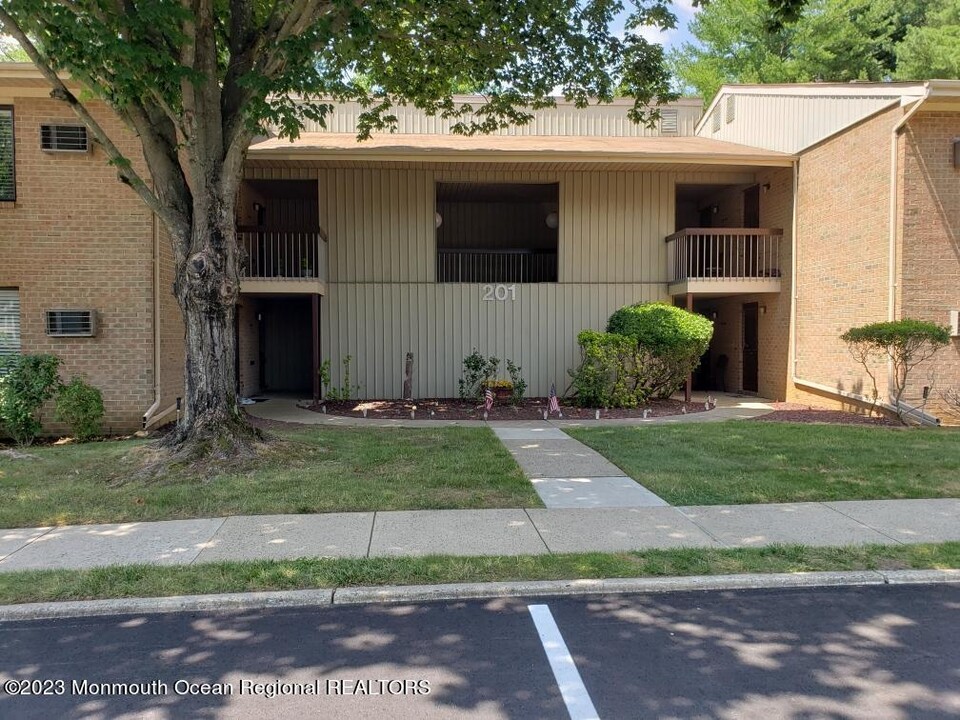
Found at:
(287, 344)
(751, 312)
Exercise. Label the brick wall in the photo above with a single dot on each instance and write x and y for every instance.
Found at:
(76, 238)
(930, 256)
(842, 256)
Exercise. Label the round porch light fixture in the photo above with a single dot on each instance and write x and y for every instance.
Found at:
(438, 219)
(552, 220)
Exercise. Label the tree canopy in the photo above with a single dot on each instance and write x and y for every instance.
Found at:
(933, 49)
(196, 80)
(752, 41)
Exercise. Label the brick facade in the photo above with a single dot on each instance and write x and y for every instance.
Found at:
(930, 257)
(76, 238)
(842, 257)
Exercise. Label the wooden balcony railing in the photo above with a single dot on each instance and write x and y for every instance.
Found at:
(724, 254)
(496, 266)
(283, 255)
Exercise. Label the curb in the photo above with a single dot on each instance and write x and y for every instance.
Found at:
(469, 591)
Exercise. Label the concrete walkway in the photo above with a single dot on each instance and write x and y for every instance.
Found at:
(479, 532)
(568, 474)
(728, 407)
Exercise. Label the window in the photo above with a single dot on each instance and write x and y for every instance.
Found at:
(497, 232)
(63, 138)
(71, 323)
(8, 180)
(9, 321)
(668, 122)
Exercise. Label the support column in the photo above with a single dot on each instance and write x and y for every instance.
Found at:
(315, 328)
(688, 390)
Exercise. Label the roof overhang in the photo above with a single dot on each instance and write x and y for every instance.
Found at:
(327, 147)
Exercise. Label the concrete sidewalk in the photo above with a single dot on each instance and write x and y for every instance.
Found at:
(568, 474)
(479, 532)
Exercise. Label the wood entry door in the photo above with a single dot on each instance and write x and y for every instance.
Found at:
(751, 337)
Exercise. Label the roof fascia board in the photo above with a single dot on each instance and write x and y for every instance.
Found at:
(502, 157)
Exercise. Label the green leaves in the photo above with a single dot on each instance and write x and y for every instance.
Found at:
(647, 351)
(899, 333)
(782, 41)
(26, 382)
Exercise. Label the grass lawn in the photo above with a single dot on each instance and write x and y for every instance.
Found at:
(742, 462)
(156, 581)
(318, 470)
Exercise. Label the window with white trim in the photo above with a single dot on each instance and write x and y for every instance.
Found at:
(8, 179)
(9, 321)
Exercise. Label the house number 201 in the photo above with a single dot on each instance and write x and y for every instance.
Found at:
(500, 292)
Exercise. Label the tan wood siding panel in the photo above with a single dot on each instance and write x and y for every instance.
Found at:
(597, 120)
(791, 123)
(378, 323)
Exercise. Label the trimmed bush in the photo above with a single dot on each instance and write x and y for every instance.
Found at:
(606, 376)
(670, 342)
(80, 405)
(907, 343)
(26, 382)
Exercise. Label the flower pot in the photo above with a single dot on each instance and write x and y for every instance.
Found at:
(502, 394)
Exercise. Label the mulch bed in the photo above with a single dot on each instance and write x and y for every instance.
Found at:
(454, 409)
(797, 413)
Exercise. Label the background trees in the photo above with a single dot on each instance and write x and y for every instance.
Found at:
(749, 41)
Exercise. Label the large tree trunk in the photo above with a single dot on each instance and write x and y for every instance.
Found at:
(207, 288)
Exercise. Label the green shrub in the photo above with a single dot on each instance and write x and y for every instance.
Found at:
(605, 377)
(906, 343)
(670, 342)
(80, 405)
(346, 391)
(519, 384)
(26, 382)
(476, 371)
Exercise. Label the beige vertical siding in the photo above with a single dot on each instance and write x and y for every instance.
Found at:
(789, 123)
(608, 120)
(382, 299)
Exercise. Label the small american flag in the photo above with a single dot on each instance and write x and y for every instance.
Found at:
(488, 399)
(554, 405)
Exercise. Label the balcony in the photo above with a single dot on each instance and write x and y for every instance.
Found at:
(724, 261)
(496, 266)
(281, 261)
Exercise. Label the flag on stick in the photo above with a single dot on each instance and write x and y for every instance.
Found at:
(554, 405)
(488, 399)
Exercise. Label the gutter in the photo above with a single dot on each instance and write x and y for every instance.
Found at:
(908, 411)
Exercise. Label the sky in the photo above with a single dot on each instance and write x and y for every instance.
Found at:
(683, 9)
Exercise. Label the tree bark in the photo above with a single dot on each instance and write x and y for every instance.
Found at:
(207, 288)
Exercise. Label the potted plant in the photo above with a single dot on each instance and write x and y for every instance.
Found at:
(305, 269)
(502, 389)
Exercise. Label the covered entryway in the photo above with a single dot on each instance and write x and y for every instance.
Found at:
(277, 344)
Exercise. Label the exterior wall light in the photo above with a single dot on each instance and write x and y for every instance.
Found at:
(438, 219)
(552, 220)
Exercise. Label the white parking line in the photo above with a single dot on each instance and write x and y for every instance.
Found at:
(575, 695)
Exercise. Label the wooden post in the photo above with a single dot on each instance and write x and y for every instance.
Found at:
(315, 328)
(408, 377)
(689, 388)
